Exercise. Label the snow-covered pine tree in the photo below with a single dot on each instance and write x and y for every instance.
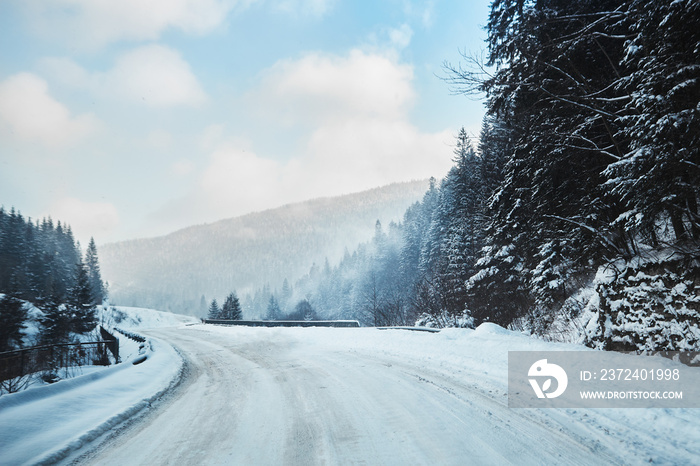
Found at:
(285, 294)
(66, 256)
(304, 311)
(12, 318)
(463, 237)
(92, 266)
(273, 310)
(231, 310)
(451, 242)
(658, 178)
(56, 323)
(556, 90)
(12, 253)
(214, 310)
(35, 268)
(80, 302)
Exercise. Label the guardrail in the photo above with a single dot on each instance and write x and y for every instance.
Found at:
(26, 361)
(20, 363)
(414, 329)
(132, 335)
(112, 343)
(284, 323)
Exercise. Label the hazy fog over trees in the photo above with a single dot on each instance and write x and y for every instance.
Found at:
(185, 269)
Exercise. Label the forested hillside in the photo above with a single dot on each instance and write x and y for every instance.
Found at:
(577, 215)
(42, 267)
(184, 271)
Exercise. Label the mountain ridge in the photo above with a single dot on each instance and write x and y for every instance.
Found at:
(174, 271)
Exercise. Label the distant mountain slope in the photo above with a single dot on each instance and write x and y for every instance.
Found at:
(173, 272)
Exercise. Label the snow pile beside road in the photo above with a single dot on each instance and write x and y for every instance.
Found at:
(138, 317)
(44, 424)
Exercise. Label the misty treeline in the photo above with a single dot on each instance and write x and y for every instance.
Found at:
(578, 210)
(42, 269)
(264, 304)
(245, 252)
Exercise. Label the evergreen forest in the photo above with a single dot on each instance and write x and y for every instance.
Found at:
(45, 282)
(575, 216)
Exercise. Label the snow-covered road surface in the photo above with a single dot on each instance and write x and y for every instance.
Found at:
(270, 396)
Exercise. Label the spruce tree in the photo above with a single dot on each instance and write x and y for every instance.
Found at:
(214, 310)
(273, 309)
(12, 317)
(231, 309)
(80, 302)
(93, 271)
(56, 323)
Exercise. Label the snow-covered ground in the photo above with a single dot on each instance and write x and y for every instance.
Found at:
(139, 317)
(46, 422)
(332, 396)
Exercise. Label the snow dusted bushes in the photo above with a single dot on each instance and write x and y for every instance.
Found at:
(649, 307)
(445, 320)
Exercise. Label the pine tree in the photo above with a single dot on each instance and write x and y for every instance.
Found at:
(67, 255)
(463, 238)
(557, 103)
(214, 311)
(93, 271)
(56, 323)
(231, 309)
(286, 294)
(658, 178)
(12, 318)
(273, 310)
(304, 311)
(80, 302)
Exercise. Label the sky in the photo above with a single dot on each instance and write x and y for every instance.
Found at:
(140, 117)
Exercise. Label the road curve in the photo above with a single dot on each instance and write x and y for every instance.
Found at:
(263, 400)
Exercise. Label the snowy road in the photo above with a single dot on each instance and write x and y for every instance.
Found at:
(270, 397)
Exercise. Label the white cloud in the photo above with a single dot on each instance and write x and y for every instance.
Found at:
(93, 24)
(182, 168)
(212, 136)
(30, 113)
(328, 86)
(98, 219)
(364, 153)
(401, 37)
(353, 116)
(160, 139)
(339, 158)
(357, 107)
(237, 180)
(424, 11)
(155, 75)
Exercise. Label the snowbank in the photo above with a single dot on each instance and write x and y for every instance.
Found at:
(138, 317)
(44, 424)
